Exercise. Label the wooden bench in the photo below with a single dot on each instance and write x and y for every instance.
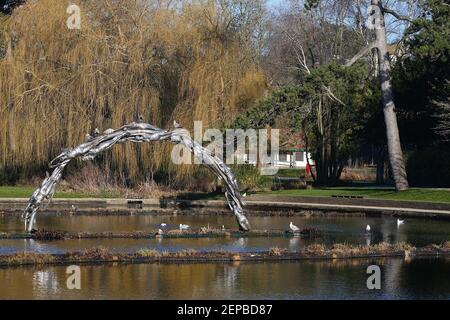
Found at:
(347, 197)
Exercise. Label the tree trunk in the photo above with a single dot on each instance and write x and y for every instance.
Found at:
(380, 166)
(393, 137)
(305, 139)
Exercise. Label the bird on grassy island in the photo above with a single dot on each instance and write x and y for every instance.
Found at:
(368, 228)
(294, 228)
(400, 223)
(184, 227)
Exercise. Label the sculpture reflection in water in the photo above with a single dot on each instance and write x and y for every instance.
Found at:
(134, 132)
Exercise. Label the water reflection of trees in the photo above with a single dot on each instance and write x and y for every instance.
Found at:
(306, 279)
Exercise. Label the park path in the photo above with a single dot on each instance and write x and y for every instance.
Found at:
(260, 204)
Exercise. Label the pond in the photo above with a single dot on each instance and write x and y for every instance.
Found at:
(416, 279)
(347, 230)
(338, 279)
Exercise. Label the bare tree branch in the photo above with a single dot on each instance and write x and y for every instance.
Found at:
(333, 96)
(300, 58)
(361, 54)
(397, 15)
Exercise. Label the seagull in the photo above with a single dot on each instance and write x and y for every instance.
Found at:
(163, 225)
(73, 210)
(176, 124)
(294, 228)
(223, 228)
(400, 222)
(244, 195)
(108, 131)
(184, 226)
(368, 228)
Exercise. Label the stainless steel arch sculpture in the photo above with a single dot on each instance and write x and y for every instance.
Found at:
(134, 132)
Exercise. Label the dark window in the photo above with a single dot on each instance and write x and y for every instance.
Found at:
(300, 156)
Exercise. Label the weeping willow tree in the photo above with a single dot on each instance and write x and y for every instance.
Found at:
(160, 60)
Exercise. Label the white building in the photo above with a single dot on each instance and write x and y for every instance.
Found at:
(293, 158)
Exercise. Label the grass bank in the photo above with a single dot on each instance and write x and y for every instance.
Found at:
(26, 192)
(415, 194)
(423, 195)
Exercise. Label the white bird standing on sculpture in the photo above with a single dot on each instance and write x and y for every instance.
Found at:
(400, 223)
(176, 125)
(294, 228)
(368, 228)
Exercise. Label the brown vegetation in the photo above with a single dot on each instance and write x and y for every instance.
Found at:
(315, 251)
(168, 60)
(49, 235)
(24, 258)
(96, 180)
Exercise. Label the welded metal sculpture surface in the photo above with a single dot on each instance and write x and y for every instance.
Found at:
(134, 132)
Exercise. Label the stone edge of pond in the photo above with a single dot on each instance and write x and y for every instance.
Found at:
(313, 252)
(278, 206)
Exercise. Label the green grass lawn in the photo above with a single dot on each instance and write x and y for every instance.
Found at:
(291, 173)
(26, 192)
(427, 195)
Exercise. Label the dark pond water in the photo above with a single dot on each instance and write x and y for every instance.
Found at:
(336, 230)
(417, 279)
